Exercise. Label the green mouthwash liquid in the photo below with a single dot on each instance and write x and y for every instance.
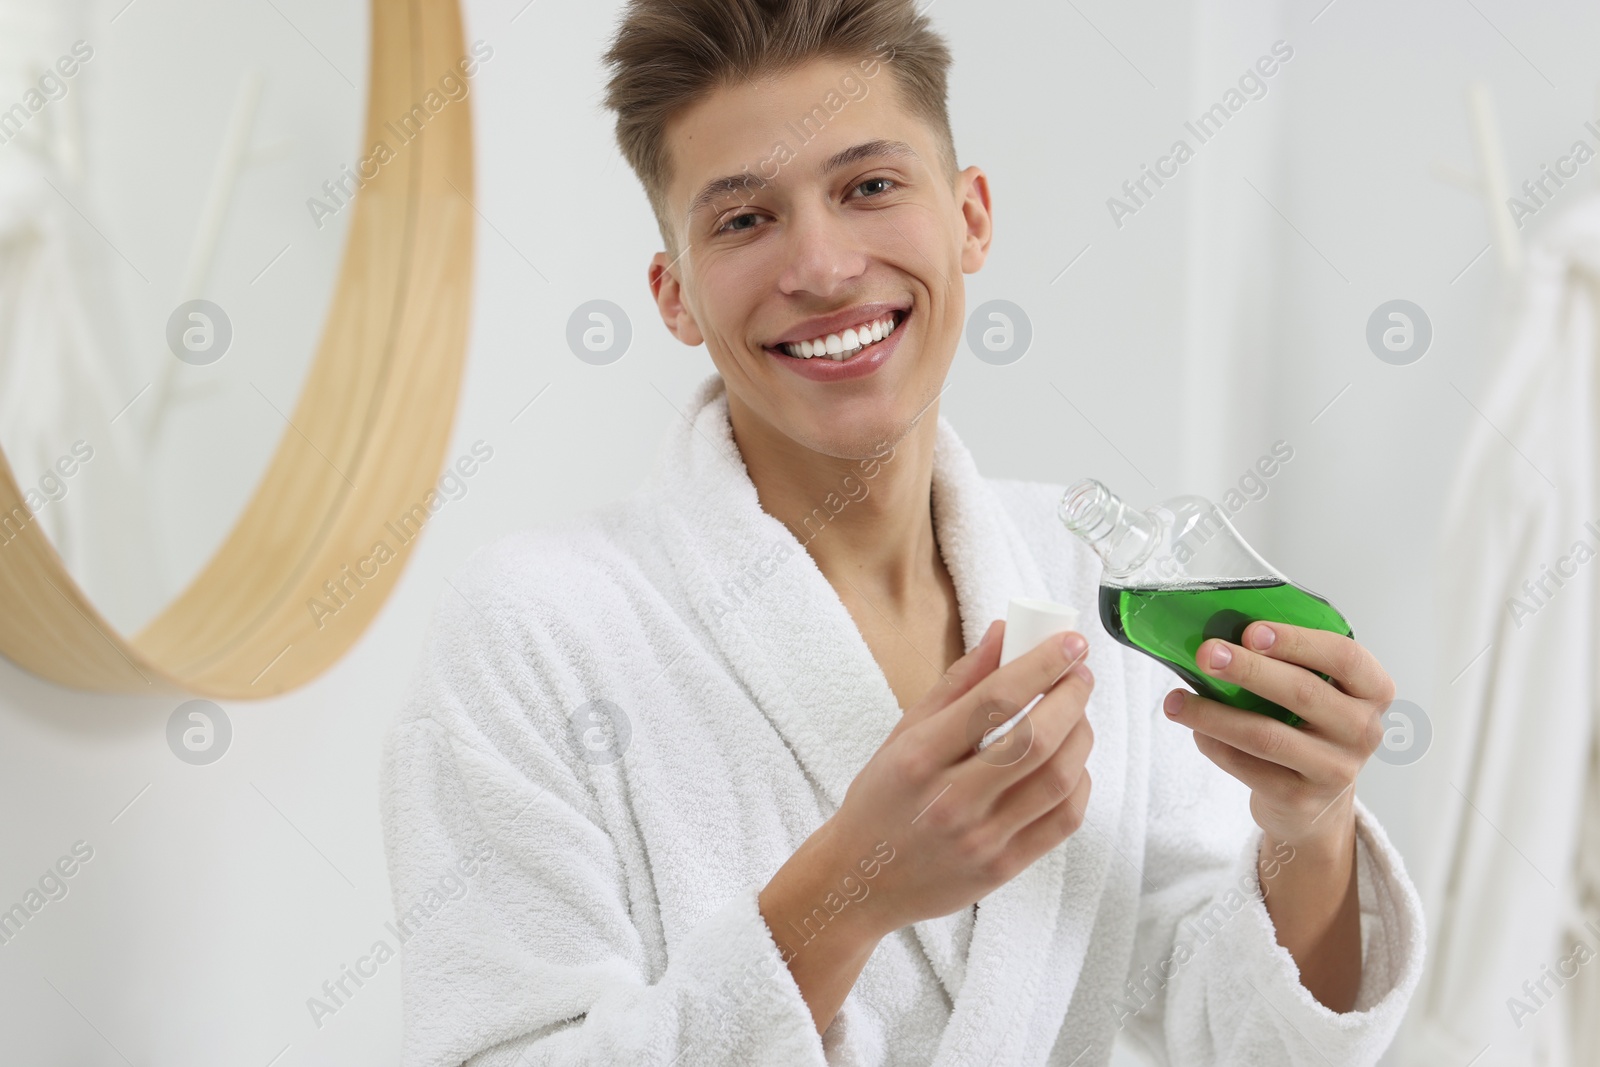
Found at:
(1170, 623)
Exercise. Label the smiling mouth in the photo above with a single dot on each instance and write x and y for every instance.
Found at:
(846, 343)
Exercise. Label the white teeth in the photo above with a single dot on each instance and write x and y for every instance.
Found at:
(846, 343)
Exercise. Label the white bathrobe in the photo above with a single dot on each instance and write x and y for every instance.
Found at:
(577, 889)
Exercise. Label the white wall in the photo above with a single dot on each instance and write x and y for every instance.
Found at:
(221, 900)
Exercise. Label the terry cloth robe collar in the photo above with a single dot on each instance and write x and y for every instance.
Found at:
(836, 709)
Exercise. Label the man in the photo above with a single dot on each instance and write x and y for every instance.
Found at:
(708, 752)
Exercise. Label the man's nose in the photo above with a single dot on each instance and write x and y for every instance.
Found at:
(825, 255)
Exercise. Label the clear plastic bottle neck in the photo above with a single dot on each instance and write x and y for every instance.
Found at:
(1122, 537)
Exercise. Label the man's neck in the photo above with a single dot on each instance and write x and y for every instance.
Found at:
(868, 524)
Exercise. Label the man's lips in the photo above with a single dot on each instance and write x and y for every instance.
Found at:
(860, 363)
(847, 344)
(839, 321)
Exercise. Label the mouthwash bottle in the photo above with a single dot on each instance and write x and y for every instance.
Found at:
(1177, 574)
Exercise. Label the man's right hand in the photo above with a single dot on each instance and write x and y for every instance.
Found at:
(961, 822)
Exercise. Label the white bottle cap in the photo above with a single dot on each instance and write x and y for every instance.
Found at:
(1030, 621)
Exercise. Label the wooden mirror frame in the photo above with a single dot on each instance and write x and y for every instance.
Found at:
(378, 405)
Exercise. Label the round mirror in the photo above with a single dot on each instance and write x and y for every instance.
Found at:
(216, 224)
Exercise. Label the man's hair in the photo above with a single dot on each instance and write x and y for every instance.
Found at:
(669, 54)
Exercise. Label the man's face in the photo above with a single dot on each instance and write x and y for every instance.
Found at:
(857, 226)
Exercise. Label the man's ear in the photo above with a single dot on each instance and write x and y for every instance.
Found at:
(664, 286)
(973, 188)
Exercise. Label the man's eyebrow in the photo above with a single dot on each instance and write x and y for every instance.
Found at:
(737, 183)
(720, 187)
(868, 150)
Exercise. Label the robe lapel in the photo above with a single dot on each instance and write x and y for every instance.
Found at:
(780, 625)
(795, 647)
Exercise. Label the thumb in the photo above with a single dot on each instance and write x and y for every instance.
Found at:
(963, 674)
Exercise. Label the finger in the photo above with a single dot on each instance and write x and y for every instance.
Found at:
(1327, 710)
(1254, 733)
(962, 675)
(999, 695)
(1277, 786)
(964, 672)
(1053, 827)
(971, 668)
(1048, 785)
(1356, 670)
(1036, 740)
(1253, 771)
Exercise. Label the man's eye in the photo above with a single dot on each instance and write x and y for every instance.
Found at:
(886, 183)
(729, 227)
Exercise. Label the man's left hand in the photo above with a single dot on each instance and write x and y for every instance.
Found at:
(1301, 778)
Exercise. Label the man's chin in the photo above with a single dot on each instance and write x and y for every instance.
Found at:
(856, 435)
(847, 424)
